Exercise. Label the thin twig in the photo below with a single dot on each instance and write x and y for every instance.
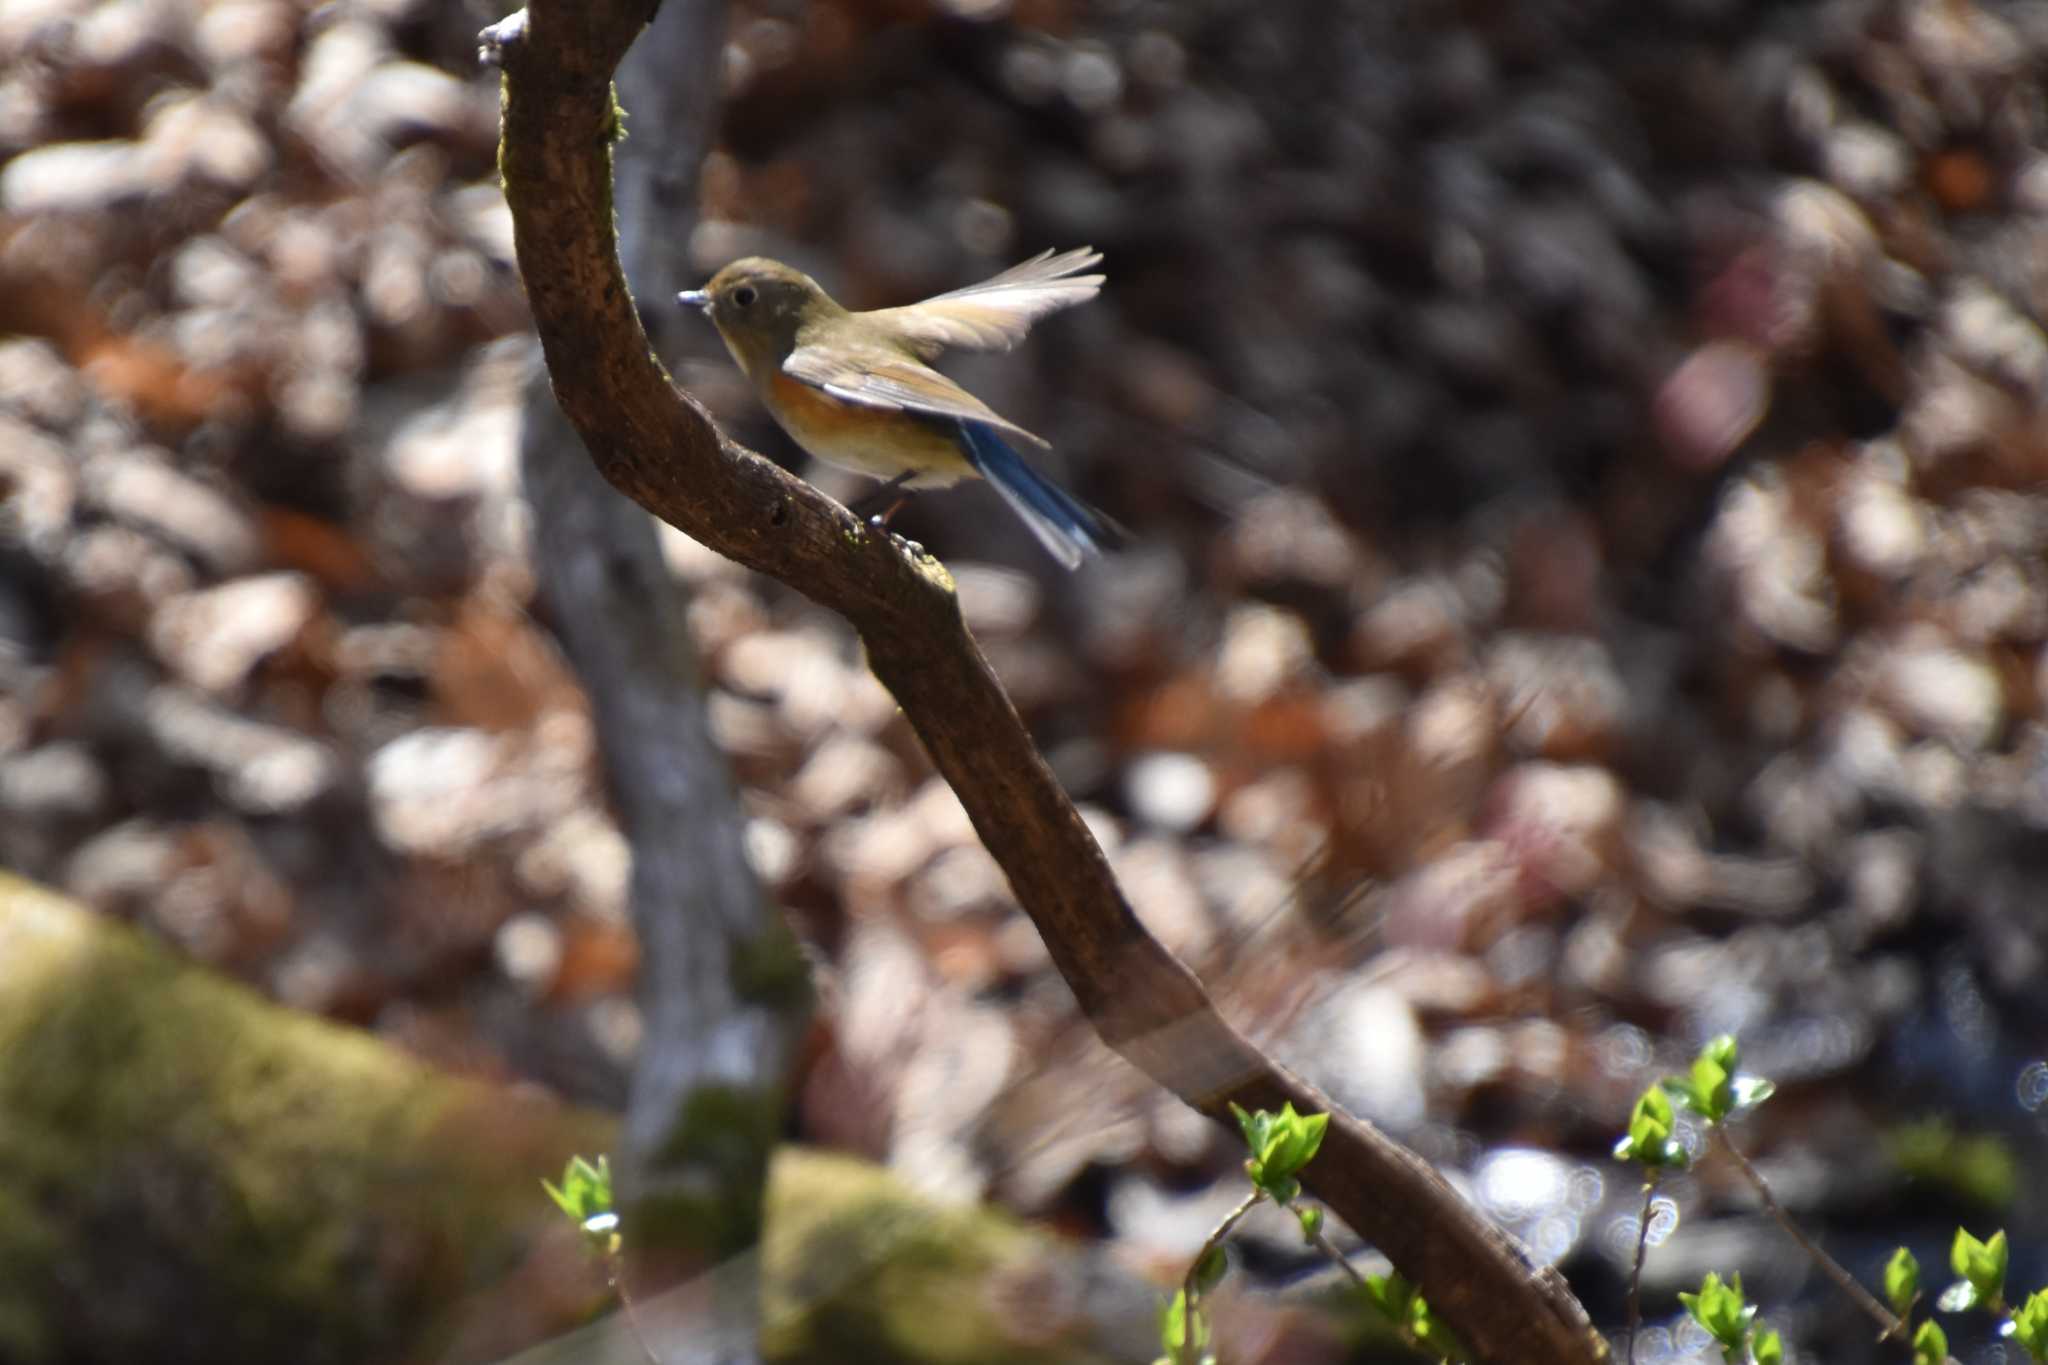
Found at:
(618, 1285)
(1321, 1241)
(1191, 1292)
(1890, 1322)
(1635, 1274)
(1328, 1248)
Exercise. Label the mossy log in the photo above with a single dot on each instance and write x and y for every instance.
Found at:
(190, 1173)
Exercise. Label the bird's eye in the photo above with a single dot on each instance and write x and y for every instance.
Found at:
(744, 295)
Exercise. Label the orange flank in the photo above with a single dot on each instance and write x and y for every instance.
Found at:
(875, 441)
(804, 408)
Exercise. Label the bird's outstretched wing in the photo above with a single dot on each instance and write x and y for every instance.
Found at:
(995, 314)
(895, 383)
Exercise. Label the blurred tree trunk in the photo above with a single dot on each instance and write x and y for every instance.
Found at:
(723, 988)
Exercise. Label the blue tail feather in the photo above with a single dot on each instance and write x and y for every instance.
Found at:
(1063, 523)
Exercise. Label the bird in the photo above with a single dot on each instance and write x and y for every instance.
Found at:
(855, 389)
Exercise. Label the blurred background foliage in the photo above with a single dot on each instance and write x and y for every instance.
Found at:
(1589, 584)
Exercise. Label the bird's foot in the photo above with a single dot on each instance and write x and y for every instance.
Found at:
(880, 522)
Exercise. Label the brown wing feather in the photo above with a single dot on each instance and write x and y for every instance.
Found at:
(995, 314)
(893, 383)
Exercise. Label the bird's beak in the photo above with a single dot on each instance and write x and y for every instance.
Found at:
(694, 298)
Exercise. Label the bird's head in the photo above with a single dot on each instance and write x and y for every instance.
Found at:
(758, 306)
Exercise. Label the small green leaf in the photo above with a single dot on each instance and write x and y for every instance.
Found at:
(2030, 1324)
(1963, 1252)
(1959, 1297)
(1712, 1088)
(1649, 1141)
(1392, 1295)
(585, 1195)
(1304, 1139)
(1901, 1281)
(1210, 1270)
(1430, 1332)
(1706, 1088)
(1311, 1216)
(1257, 1128)
(1173, 1324)
(1722, 1052)
(1750, 1091)
(1281, 1144)
(1279, 1139)
(1719, 1308)
(1930, 1344)
(1253, 1126)
(1978, 1169)
(1997, 1258)
(1983, 1264)
(1651, 1122)
(1768, 1348)
(1291, 1141)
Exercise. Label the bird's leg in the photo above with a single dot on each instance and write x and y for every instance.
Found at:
(886, 497)
(895, 495)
